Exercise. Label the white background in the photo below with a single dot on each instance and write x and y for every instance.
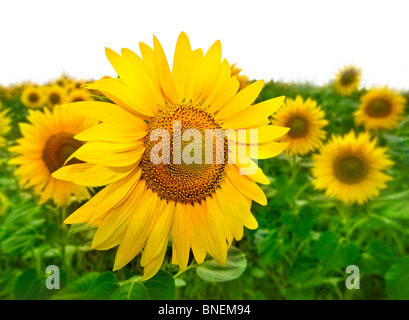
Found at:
(282, 40)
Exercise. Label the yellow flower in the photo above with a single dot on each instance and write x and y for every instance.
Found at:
(78, 95)
(55, 95)
(4, 204)
(380, 108)
(33, 97)
(64, 81)
(350, 168)
(347, 80)
(243, 79)
(305, 120)
(46, 144)
(202, 204)
(5, 126)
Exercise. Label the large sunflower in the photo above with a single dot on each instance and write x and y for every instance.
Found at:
(350, 168)
(46, 144)
(305, 120)
(33, 97)
(347, 80)
(203, 205)
(380, 108)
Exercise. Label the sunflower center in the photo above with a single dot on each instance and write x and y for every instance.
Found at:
(57, 150)
(33, 97)
(348, 76)
(350, 169)
(299, 127)
(378, 108)
(54, 98)
(185, 172)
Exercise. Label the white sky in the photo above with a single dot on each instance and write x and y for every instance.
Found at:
(281, 40)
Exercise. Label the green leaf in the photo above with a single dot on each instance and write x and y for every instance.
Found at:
(18, 243)
(24, 283)
(180, 283)
(397, 280)
(31, 286)
(159, 287)
(103, 287)
(55, 234)
(330, 251)
(211, 271)
(299, 221)
(305, 273)
(300, 294)
(393, 205)
(403, 127)
(271, 249)
(77, 290)
(79, 227)
(377, 258)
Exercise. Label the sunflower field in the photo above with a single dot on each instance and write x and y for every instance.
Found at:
(86, 214)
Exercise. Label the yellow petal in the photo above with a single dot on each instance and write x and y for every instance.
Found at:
(241, 101)
(138, 229)
(132, 101)
(160, 233)
(111, 196)
(216, 227)
(88, 174)
(253, 115)
(180, 237)
(114, 132)
(111, 154)
(247, 187)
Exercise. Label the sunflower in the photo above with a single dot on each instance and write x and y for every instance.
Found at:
(380, 108)
(64, 81)
(33, 97)
(55, 95)
(5, 126)
(350, 168)
(243, 79)
(347, 80)
(78, 95)
(4, 204)
(203, 205)
(305, 120)
(46, 144)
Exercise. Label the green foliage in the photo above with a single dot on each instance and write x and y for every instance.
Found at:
(211, 271)
(300, 251)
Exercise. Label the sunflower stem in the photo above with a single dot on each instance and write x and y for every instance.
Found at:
(183, 271)
(63, 242)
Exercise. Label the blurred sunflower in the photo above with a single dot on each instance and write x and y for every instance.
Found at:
(78, 95)
(380, 108)
(33, 97)
(64, 81)
(350, 168)
(55, 95)
(46, 144)
(203, 206)
(4, 204)
(243, 79)
(5, 125)
(305, 120)
(347, 80)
